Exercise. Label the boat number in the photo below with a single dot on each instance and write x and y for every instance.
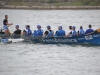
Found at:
(89, 37)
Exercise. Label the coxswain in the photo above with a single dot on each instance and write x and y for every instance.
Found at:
(6, 25)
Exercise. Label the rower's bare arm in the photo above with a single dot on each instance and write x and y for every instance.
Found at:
(44, 35)
(9, 24)
(67, 35)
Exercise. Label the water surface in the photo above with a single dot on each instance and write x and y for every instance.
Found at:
(43, 59)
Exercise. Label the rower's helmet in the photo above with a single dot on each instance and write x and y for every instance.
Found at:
(48, 27)
(60, 27)
(17, 26)
(73, 27)
(38, 26)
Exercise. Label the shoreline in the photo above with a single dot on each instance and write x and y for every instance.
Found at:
(50, 7)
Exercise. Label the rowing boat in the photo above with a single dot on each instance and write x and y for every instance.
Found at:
(10, 38)
(90, 39)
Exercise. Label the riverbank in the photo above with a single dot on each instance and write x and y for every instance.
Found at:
(49, 7)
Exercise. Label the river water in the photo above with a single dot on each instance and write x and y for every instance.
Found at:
(43, 59)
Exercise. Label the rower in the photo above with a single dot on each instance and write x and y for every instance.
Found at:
(74, 31)
(49, 32)
(27, 31)
(60, 32)
(90, 30)
(69, 34)
(38, 32)
(81, 31)
(6, 25)
(17, 32)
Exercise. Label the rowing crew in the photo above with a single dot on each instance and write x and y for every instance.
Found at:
(48, 33)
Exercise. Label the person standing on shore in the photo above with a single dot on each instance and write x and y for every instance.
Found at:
(6, 25)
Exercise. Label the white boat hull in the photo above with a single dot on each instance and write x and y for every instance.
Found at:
(11, 40)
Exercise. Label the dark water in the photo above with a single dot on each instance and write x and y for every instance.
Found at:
(43, 59)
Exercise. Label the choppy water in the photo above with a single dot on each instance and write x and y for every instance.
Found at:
(42, 59)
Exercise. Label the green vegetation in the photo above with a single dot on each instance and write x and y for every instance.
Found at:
(89, 2)
(50, 2)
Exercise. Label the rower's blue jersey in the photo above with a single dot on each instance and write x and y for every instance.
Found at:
(81, 32)
(89, 31)
(60, 33)
(74, 33)
(28, 32)
(38, 33)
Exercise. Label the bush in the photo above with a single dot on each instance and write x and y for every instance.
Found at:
(86, 2)
(90, 2)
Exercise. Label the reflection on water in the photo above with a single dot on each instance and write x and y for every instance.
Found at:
(43, 59)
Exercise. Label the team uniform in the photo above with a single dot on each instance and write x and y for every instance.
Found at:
(60, 33)
(27, 32)
(69, 33)
(81, 32)
(49, 33)
(74, 33)
(89, 31)
(38, 33)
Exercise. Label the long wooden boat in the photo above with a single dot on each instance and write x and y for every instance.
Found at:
(90, 39)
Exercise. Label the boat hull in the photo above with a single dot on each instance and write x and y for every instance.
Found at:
(86, 39)
(91, 39)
